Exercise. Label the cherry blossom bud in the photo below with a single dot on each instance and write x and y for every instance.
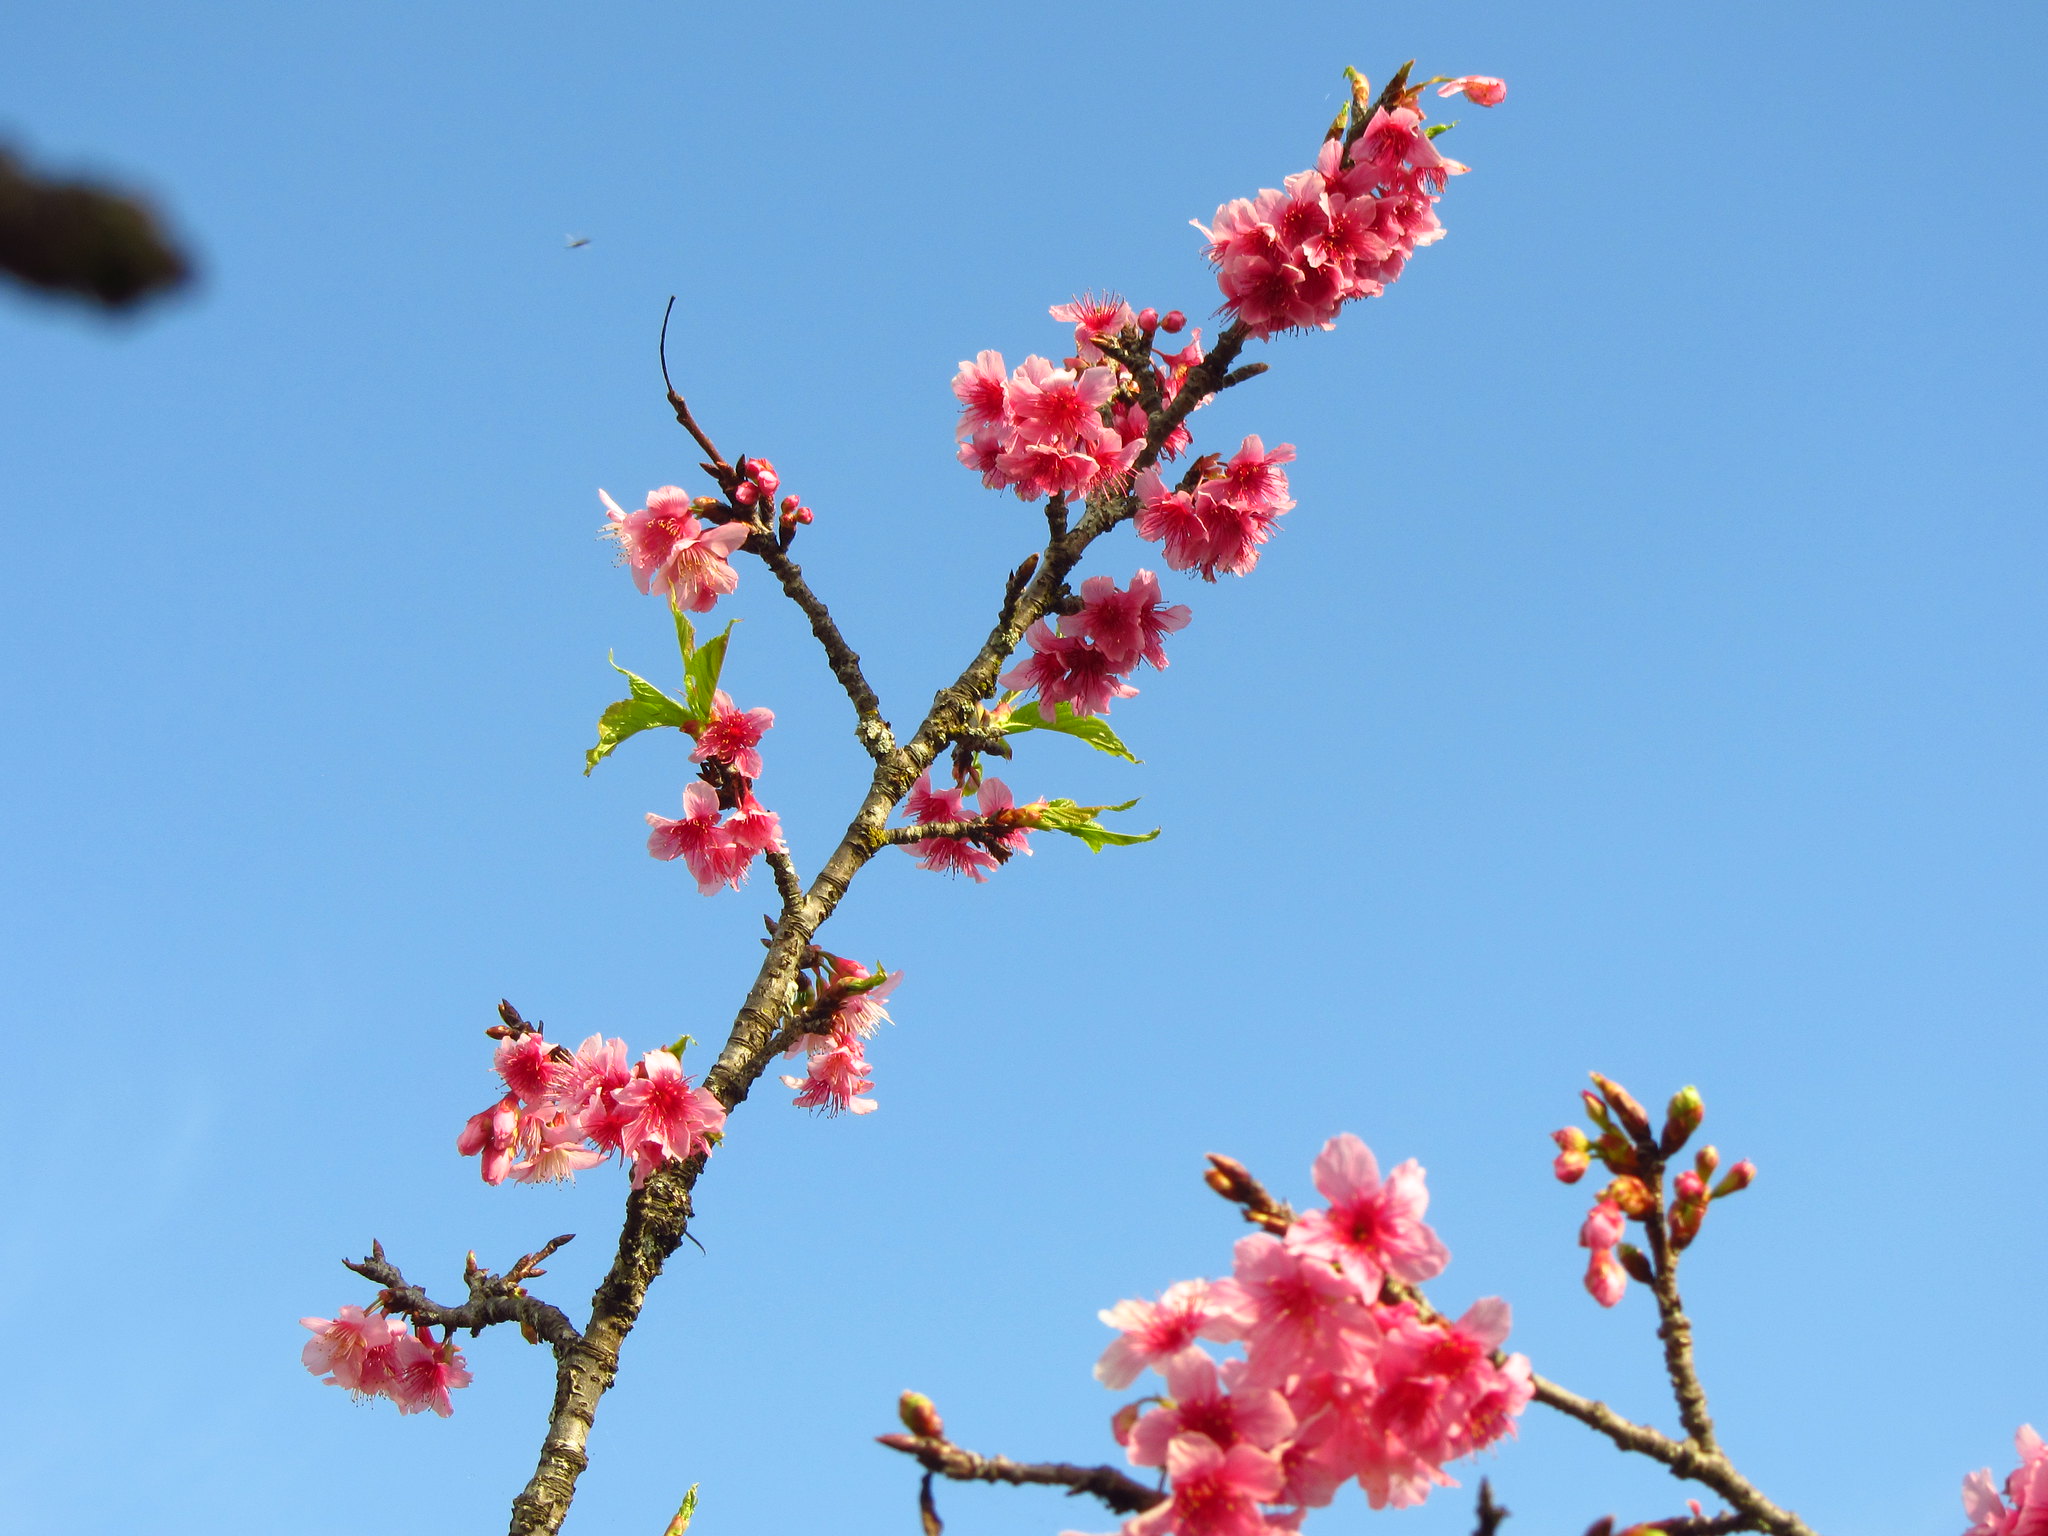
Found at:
(920, 1416)
(1634, 1118)
(1681, 1119)
(762, 473)
(1603, 1226)
(1172, 321)
(1605, 1278)
(1632, 1195)
(790, 503)
(898, 1442)
(1125, 1419)
(1706, 1160)
(1617, 1152)
(803, 514)
(747, 494)
(1690, 1186)
(1596, 1109)
(1572, 1157)
(1148, 319)
(1738, 1178)
(1634, 1261)
(706, 506)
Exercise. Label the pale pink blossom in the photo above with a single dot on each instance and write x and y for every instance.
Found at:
(424, 1372)
(1302, 1314)
(1128, 625)
(958, 855)
(1068, 669)
(1215, 1492)
(2023, 1511)
(754, 829)
(1371, 1229)
(1045, 404)
(1154, 1333)
(492, 1134)
(1604, 1226)
(351, 1349)
(710, 850)
(669, 551)
(526, 1063)
(1253, 479)
(834, 1081)
(561, 1153)
(1480, 90)
(982, 452)
(671, 1117)
(733, 735)
(1439, 1391)
(979, 387)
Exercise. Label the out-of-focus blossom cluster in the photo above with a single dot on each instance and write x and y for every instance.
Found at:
(839, 1006)
(1626, 1147)
(1344, 229)
(565, 1110)
(2023, 1510)
(1344, 1374)
(377, 1356)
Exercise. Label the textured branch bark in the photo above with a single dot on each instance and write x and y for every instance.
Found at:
(492, 1298)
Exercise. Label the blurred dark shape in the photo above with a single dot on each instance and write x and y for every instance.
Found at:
(84, 240)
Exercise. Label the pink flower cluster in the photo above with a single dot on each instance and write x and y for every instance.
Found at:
(670, 551)
(2023, 1511)
(568, 1110)
(1341, 1377)
(1083, 664)
(1008, 830)
(1606, 1280)
(718, 852)
(1220, 514)
(844, 1014)
(1041, 430)
(1293, 256)
(374, 1356)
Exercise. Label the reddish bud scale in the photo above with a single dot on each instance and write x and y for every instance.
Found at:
(920, 1416)
(1633, 1117)
(1634, 1261)
(1681, 1119)
(1172, 322)
(1706, 1160)
(1632, 1195)
(1738, 1178)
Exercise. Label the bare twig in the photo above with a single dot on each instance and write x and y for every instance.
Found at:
(492, 1298)
(1124, 1495)
(1490, 1514)
(86, 241)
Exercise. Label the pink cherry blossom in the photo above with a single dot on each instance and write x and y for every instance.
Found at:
(424, 1372)
(350, 1349)
(1215, 1492)
(1053, 405)
(1303, 1314)
(1371, 1229)
(754, 829)
(1604, 1226)
(671, 1117)
(1439, 1392)
(492, 1134)
(1253, 479)
(1480, 90)
(733, 736)
(1153, 1333)
(2023, 1511)
(979, 386)
(561, 1153)
(526, 1063)
(1128, 625)
(834, 1081)
(957, 855)
(1200, 1404)
(1170, 517)
(670, 551)
(697, 838)
(1092, 317)
(1068, 669)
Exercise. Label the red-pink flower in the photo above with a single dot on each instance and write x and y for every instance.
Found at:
(561, 1153)
(1199, 1403)
(1092, 317)
(670, 551)
(424, 1372)
(957, 855)
(2024, 1509)
(1154, 1333)
(1128, 625)
(1371, 1229)
(671, 1117)
(1215, 1492)
(1303, 1315)
(351, 1349)
(1253, 479)
(526, 1063)
(492, 1134)
(733, 736)
(716, 854)
(1439, 1391)
(1052, 405)
(1480, 90)
(980, 388)
(1068, 669)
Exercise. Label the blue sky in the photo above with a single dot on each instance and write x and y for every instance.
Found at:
(1650, 678)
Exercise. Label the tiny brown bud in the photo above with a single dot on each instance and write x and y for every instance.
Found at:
(1632, 1195)
(1706, 1160)
(1681, 1119)
(1634, 1261)
(1633, 1117)
(897, 1442)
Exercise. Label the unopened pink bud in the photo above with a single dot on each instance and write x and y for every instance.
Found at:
(1706, 1160)
(1172, 321)
(790, 503)
(1690, 1186)
(1148, 319)
(1632, 1195)
(762, 473)
(1738, 1178)
(803, 514)
(1606, 1281)
(1572, 1157)
(747, 494)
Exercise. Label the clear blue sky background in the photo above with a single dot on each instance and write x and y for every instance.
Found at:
(1650, 678)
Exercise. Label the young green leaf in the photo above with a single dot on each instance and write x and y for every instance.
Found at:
(684, 1513)
(701, 666)
(1088, 728)
(646, 709)
(1079, 821)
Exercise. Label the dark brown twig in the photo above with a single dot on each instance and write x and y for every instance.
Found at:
(1490, 1514)
(1124, 1495)
(83, 240)
(492, 1298)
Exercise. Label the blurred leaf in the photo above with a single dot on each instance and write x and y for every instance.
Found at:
(684, 1512)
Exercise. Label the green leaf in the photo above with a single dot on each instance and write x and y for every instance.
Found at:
(684, 1513)
(701, 665)
(646, 709)
(1434, 129)
(1089, 728)
(1079, 821)
(865, 984)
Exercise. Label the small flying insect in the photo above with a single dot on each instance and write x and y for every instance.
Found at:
(571, 242)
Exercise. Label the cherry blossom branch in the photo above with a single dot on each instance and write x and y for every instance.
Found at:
(787, 882)
(873, 730)
(1674, 1327)
(492, 1298)
(1124, 1495)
